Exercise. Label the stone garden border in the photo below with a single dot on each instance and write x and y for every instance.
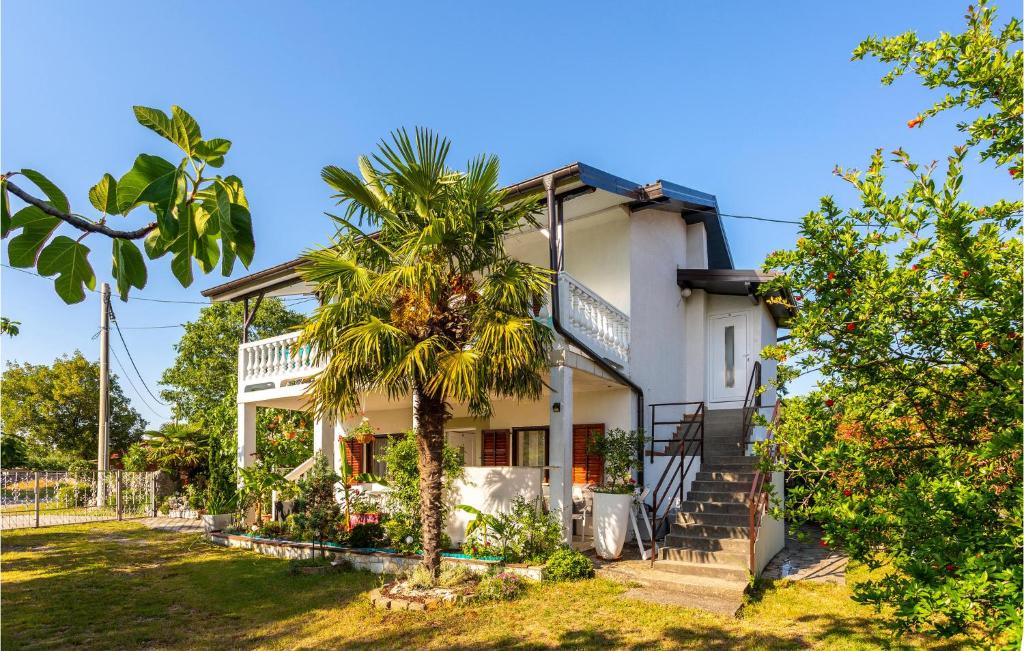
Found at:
(371, 561)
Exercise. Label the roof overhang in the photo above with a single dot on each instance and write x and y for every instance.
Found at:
(571, 181)
(740, 282)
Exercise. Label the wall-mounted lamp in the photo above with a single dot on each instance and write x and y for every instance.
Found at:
(556, 407)
(686, 292)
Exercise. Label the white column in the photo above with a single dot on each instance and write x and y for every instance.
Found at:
(560, 446)
(323, 439)
(246, 434)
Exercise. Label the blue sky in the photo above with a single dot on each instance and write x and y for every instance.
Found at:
(753, 103)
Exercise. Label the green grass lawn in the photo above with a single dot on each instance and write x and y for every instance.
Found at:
(119, 585)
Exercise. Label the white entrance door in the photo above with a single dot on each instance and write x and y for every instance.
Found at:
(467, 441)
(729, 357)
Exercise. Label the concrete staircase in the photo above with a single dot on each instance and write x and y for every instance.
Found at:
(709, 536)
(704, 558)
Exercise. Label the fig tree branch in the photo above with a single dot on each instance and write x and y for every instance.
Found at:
(80, 223)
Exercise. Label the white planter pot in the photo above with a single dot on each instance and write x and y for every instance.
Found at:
(217, 522)
(611, 521)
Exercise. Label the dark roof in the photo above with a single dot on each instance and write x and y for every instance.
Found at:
(694, 206)
(740, 282)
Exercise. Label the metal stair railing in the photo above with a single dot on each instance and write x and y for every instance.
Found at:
(686, 445)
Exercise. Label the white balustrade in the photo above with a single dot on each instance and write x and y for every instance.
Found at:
(275, 360)
(596, 322)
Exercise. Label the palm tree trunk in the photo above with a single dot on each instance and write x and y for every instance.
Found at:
(430, 416)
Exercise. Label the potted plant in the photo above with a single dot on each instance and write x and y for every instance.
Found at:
(258, 483)
(363, 432)
(614, 497)
(220, 510)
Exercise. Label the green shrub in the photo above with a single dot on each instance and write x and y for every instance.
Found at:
(403, 497)
(420, 577)
(568, 565)
(504, 586)
(366, 535)
(525, 533)
(274, 529)
(165, 506)
(81, 467)
(453, 575)
(71, 495)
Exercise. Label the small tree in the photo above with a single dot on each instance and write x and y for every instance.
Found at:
(617, 448)
(320, 514)
(908, 453)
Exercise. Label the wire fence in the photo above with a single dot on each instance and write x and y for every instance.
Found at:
(43, 498)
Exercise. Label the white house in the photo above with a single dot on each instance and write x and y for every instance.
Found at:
(654, 329)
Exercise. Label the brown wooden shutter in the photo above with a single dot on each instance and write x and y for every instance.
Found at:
(354, 456)
(495, 447)
(587, 468)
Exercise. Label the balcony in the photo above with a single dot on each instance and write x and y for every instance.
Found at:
(593, 320)
(273, 364)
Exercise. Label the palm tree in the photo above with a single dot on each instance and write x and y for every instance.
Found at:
(179, 448)
(428, 306)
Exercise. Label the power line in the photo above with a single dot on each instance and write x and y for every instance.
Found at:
(159, 327)
(128, 379)
(120, 335)
(130, 298)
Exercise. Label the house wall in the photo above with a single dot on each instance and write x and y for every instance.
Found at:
(771, 537)
(594, 253)
(491, 490)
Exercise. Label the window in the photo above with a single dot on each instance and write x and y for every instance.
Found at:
(587, 468)
(530, 446)
(730, 356)
(495, 447)
(376, 453)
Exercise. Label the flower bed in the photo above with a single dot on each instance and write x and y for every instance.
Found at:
(378, 561)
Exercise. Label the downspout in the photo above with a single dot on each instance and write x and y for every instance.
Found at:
(556, 252)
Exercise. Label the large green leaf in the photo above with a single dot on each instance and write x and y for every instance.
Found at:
(103, 195)
(205, 249)
(150, 180)
(167, 211)
(70, 260)
(57, 198)
(184, 245)
(243, 244)
(156, 245)
(129, 268)
(186, 130)
(37, 227)
(5, 209)
(212, 151)
(156, 120)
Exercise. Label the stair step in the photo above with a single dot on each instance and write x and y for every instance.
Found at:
(708, 570)
(737, 459)
(660, 576)
(717, 496)
(733, 559)
(718, 475)
(734, 532)
(704, 544)
(714, 519)
(719, 486)
(738, 508)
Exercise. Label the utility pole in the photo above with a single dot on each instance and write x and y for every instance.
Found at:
(103, 454)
